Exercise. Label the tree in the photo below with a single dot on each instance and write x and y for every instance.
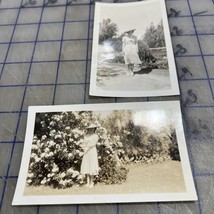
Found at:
(107, 30)
(150, 36)
(160, 41)
(154, 36)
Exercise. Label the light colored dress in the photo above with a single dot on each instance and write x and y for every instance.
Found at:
(89, 163)
(130, 49)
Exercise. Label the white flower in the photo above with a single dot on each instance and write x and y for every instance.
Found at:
(81, 154)
(34, 146)
(70, 155)
(55, 168)
(51, 143)
(67, 128)
(50, 175)
(29, 181)
(62, 175)
(70, 170)
(77, 142)
(75, 174)
(43, 181)
(47, 150)
(30, 175)
(80, 176)
(44, 137)
(62, 182)
(37, 159)
(43, 155)
(51, 154)
(120, 144)
(57, 146)
(33, 155)
(34, 137)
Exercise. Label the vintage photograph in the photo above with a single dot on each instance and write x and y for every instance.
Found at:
(132, 53)
(107, 151)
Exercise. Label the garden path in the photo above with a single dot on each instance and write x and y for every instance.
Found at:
(114, 77)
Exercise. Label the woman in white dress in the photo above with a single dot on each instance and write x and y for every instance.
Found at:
(89, 165)
(130, 51)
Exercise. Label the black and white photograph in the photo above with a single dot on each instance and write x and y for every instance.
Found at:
(104, 153)
(132, 53)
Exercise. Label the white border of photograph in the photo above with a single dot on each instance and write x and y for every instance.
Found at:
(96, 91)
(172, 106)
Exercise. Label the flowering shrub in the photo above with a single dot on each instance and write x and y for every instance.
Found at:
(56, 152)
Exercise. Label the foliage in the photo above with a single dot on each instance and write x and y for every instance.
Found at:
(143, 50)
(142, 144)
(173, 150)
(118, 58)
(154, 36)
(117, 43)
(107, 30)
(110, 161)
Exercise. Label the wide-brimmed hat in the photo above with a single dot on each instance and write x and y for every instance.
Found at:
(91, 126)
(128, 31)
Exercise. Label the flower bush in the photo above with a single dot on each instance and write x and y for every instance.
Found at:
(56, 152)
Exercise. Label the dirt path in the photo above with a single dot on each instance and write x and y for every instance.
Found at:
(143, 79)
(157, 178)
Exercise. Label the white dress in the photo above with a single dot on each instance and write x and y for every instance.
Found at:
(89, 163)
(130, 49)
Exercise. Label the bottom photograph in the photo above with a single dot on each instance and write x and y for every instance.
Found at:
(104, 153)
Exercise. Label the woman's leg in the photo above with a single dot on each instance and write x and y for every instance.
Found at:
(88, 180)
(91, 181)
(131, 70)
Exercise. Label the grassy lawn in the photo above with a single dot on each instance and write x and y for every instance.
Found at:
(143, 178)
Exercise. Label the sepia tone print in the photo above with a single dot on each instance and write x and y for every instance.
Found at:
(106, 150)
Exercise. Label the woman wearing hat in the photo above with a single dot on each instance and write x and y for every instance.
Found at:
(89, 165)
(130, 51)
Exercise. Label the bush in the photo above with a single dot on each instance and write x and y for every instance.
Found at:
(56, 152)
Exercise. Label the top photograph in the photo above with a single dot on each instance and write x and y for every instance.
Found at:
(132, 54)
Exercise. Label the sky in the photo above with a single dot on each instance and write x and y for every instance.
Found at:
(154, 119)
(134, 16)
